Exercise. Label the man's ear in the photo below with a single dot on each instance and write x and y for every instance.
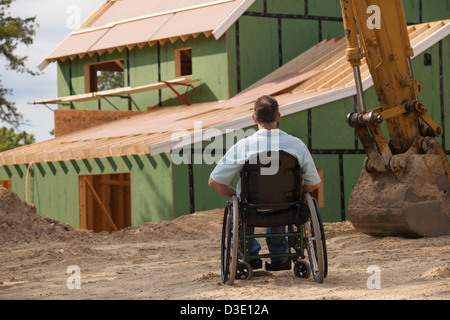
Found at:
(253, 117)
(279, 117)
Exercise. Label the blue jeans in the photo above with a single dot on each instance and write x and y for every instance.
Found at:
(276, 245)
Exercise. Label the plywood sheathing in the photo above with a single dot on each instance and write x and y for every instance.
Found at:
(68, 121)
(124, 24)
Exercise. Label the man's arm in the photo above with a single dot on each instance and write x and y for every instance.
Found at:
(223, 189)
(311, 188)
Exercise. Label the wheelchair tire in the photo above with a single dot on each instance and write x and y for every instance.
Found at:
(225, 244)
(324, 244)
(244, 271)
(230, 241)
(314, 245)
(302, 269)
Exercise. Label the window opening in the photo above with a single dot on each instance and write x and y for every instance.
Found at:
(104, 76)
(183, 62)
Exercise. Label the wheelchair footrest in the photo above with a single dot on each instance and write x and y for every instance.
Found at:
(278, 266)
(255, 263)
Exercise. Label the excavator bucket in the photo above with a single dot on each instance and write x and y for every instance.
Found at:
(415, 205)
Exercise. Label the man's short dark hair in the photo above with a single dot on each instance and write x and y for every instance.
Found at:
(266, 109)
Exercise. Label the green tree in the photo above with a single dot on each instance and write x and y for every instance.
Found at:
(13, 31)
(10, 140)
(110, 80)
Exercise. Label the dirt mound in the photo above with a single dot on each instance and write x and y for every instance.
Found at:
(438, 272)
(19, 221)
(197, 226)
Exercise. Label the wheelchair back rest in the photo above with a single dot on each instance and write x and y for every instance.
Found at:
(262, 185)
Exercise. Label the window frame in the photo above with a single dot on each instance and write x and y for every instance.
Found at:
(91, 69)
(179, 63)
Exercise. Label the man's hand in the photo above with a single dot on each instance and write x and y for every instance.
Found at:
(223, 189)
(310, 189)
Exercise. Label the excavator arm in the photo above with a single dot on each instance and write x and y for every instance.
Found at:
(403, 185)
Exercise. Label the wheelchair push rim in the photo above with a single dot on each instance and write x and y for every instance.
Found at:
(230, 241)
(325, 254)
(314, 242)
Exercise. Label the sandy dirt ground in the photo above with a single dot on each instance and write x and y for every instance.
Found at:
(180, 259)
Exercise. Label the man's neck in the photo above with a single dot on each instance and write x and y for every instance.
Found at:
(268, 126)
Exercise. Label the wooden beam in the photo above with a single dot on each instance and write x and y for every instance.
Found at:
(116, 92)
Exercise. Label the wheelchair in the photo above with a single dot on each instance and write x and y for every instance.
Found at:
(273, 200)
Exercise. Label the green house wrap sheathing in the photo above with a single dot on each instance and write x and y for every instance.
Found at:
(141, 67)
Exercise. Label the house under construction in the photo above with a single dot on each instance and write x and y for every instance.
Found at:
(191, 73)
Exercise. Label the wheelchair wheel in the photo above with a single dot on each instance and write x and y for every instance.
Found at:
(230, 241)
(244, 271)
(322, 231)
(302, 269)
(314, 245)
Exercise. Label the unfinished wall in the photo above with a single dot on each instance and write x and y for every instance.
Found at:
(54, 186)
(149, 65)
(209, 64)
(285, 29)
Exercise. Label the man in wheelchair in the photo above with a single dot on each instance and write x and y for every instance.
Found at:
(271, 141)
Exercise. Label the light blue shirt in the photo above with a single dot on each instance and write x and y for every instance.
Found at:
(262, 141)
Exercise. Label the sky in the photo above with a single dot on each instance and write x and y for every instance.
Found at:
(56, 20)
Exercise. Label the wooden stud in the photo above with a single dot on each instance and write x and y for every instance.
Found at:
(90, 218)
(119, 201)
(82, 203)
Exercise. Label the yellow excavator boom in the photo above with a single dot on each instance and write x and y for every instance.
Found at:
(403, 185)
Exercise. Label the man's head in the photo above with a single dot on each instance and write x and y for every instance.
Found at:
(266, 112)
